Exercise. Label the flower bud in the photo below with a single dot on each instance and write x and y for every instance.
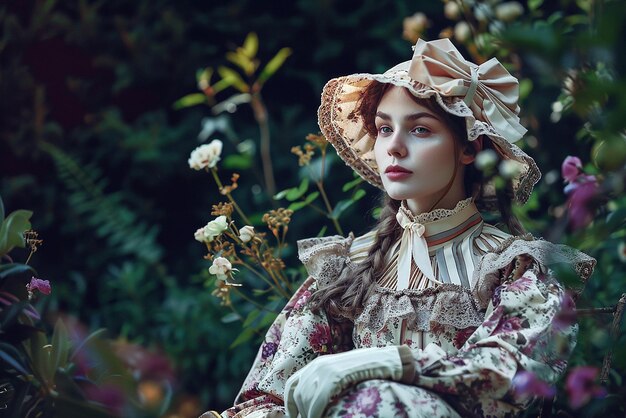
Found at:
(246, 233)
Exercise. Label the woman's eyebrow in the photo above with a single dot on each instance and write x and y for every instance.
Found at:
(411, 117)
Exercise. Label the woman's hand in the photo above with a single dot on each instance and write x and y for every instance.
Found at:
(309, 391)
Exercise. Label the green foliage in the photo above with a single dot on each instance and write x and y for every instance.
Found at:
(103, 113)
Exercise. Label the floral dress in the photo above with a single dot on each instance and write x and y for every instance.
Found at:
(492, 310)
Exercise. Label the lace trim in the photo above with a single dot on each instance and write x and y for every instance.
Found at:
(423, 310)
(344, 129)
(435, 214)
(325, 258)
(489, 271)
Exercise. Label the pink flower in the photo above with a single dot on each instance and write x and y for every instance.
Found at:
(320, 339)
(580, 203)
(526, 383)
(581, 387)
(110, 396)
(38, 284)
(571, 168)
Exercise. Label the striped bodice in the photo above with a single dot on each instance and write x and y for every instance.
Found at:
(455, 245)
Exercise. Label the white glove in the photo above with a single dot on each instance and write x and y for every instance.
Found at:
(309, 390)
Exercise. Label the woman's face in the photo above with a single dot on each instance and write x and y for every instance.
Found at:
(415, 154)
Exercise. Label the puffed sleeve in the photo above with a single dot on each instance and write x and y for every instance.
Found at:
(528, 327)
(297, 335)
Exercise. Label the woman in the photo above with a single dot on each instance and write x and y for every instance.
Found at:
(434, 312)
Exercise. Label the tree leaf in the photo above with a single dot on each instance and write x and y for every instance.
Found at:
(189, 100)
(233, 78)
(358, 195)
(14, 268)
(60, 345)
(297, 192)
(230, 318)
(340, 207)
(351, 184)
(273, 65)
(246, 335)
(12, 230)
(1, 210)
(251, 45)
(12, 357)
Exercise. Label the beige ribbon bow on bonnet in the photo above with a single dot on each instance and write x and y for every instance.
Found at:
(488, 89)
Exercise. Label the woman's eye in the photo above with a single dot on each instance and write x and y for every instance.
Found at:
(384, 130)
(420, 130)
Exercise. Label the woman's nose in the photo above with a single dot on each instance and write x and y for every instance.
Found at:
(396, 146)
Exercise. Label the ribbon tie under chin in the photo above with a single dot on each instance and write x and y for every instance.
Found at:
(412, 246)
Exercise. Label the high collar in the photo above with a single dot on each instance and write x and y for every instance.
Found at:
(443, 225)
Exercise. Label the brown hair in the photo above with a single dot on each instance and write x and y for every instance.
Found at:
(344, 298)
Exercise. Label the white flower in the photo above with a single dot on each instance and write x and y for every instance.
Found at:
(212, 125)
(510, 168)
(509, 11)
(199, 235)
(246, 233)
(221, 267)
(452, 10)
(462, 31)
(486, 159)
(214, 228)
(206, 155)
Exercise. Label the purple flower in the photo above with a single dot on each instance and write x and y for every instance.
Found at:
(364, 401)
(571, 168)
(38, 284)
(581, 387)
(580, 204)
(507, 325)
(526, 383)
(567, 313)
(268, 350)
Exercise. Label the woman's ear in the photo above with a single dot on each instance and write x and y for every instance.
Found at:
(471, 149)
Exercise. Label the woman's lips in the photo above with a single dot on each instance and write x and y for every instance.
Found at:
(395, 172)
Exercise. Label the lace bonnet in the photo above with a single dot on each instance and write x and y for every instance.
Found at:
(484, 95)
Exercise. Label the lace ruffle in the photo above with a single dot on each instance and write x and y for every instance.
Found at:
(487, 275)
(435, 214)
(423, 310)
(324, 258)
(448, 304)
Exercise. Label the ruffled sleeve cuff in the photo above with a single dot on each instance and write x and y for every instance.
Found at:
(325, 258)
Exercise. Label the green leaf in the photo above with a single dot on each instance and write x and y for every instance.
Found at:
(297, 192)
(241, 60)
(358, 195)
(230, 318)
(7, 270)
(351, 184)
(525, 87)
(251, 318)
(340, 207)
(60, 346)
(273, 65)
(246, 335)
(189, 100)
(296, 206)
(268, 319)
(237, 162)
(251, 45)
(281, 194)
(233, 78)
(534, 4)
(12, 230)
(11, 356)
(1, 209)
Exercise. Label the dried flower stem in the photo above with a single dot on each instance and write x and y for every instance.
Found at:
(229, 196)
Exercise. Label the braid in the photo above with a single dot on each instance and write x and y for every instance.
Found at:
(345, 297)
